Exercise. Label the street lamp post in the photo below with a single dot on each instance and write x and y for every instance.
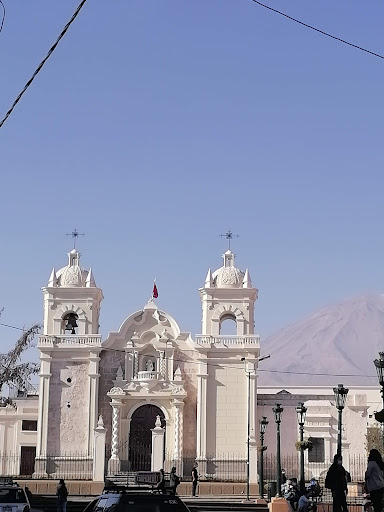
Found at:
(248, 371)
(379, 365)
(278, 411)
(263, 427)
(340, 398)
(301, 411)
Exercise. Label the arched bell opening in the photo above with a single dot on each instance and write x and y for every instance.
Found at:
(228, 325)
(70, 323)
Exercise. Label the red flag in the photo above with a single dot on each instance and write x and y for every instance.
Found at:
(155, 293)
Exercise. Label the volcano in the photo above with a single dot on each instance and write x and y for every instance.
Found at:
(336, 344)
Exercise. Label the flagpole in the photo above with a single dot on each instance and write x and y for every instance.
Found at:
(153, 289)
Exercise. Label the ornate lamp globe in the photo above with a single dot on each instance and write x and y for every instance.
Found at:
(379, 365)
(278, 411)
(301, 412)
(340, 396)
(263, 423)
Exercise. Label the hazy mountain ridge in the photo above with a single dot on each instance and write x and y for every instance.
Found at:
(340, 340)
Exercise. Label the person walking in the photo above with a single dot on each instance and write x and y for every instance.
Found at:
(374, 479)
(336, 481)
(62, 494)
(195, 479)
(161, 485)
(174, 481)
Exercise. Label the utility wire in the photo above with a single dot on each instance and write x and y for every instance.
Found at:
(237, 367)
(2, 21)
(39, 67)
(318, 30)
(12, 327)
(260, 369)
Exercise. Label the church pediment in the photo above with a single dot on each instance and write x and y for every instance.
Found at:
(150, 325)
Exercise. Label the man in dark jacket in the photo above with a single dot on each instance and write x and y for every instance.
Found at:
(62, 494)
(161, 485)
(174, 480)
(336, 480)
(195, 479)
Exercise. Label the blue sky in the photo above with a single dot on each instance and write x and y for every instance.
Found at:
(156, 126)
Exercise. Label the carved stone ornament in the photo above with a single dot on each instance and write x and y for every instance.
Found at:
(116, 391)
(100, 422)
(230, 275)
(178, 390)
(72, 276)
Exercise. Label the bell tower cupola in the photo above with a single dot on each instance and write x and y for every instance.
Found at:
(72, 300)
(228, 294)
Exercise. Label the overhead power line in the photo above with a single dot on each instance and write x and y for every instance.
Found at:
(318, 30)
(2, 21)
(237, 367)
(12, 327)
(39, 67)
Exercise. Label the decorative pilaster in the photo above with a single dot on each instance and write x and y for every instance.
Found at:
(202, 376)
(93, 373)
(99, 451)
(178, 406)
(45, 376)
(157, 458)
(114, 461)
(162, 364)
(135, 363)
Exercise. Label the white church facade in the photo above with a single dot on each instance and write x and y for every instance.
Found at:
(150, 387)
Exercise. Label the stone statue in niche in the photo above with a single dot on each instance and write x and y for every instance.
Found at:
(149, 366)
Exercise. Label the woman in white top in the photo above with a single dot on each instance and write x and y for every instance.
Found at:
(374, 479)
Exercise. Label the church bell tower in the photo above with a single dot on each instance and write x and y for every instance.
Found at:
(227, 374)
(69, 363)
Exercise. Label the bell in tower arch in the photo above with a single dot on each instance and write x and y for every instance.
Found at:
(70, 322)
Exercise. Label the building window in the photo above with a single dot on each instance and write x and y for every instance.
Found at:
(317, 453)
(30, 425)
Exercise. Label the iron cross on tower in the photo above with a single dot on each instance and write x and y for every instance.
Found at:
(75, 235)
(229, 236)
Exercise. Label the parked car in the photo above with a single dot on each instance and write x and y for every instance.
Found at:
(136, 499)
(13, 497)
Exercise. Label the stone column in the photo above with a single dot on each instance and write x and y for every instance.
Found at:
(157, 459)
(178, 406)
(135, 364)
(162, 364)
(253, 471)
(93, 374)
(42, 420)
(99, 452)
(45, 376)
(201, 441)
(114, 461)
(128, 364)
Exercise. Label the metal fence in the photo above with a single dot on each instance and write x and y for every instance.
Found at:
(71, 466)
(356, 466)
(220, 468)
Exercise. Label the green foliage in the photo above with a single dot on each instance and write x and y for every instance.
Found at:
(305, 445)
(374, 438)
(13, 372)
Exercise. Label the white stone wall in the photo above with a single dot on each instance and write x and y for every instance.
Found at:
(226, 411)
(68, 426)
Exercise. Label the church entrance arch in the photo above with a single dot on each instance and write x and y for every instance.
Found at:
(140, 436)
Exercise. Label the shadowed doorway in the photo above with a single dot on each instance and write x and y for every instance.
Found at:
(140, 436)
